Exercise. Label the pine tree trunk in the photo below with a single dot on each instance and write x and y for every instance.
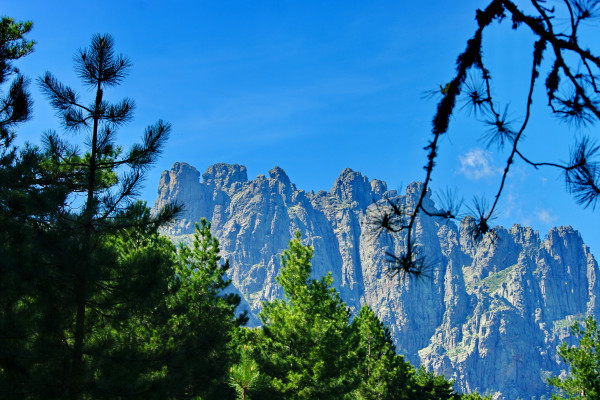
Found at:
(77, 362)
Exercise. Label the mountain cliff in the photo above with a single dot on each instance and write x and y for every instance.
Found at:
(488, 315)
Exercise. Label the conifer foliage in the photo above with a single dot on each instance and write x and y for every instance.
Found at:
(101, 184)
(382, 374)
(306, 349)
(16, 103)
(96, 304)
(584, 362)
(199, 322)
(245, 376)
(106, 176)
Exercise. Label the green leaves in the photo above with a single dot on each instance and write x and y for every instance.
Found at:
(199, 268)
(295, 269)
(95, 168)
(199, 321)
(15, 106)
(93, 283)
(434, 387)
(12, 44)
(308, 349)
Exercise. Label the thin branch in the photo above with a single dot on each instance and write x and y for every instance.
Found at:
(534, 76)
(542, 164)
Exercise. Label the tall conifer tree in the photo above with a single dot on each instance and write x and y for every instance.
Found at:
(18, 240)
(99, 287)
(306, 349)
(200, 322)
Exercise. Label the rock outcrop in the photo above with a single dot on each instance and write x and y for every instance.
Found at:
(488, 315)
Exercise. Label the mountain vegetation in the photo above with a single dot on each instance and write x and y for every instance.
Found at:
(309, 349)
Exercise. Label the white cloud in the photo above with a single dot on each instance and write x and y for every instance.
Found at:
(477, 164)
(545, 216)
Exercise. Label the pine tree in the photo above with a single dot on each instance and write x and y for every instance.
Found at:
(382, 374)
(306, 348)
(16, 103)
(430, 386)
(176, 342)
(201, 321)
(245, 376)
(583, 380)
(94, 302)
(124, 357)
(97, 290)
(24, 210)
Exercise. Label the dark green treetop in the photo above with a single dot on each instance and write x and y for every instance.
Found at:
(434, 387)
(16, 103)
(201, 321)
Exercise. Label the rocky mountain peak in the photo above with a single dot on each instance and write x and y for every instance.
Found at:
(413, 191)
(182, 180)
(185, 172)
(279, 174)
(280, 183)
(352, 187)
(378, 187)
(225, 175)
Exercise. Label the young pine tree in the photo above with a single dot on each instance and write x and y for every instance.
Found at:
(244, 377)
(306, 349)
(200, 322)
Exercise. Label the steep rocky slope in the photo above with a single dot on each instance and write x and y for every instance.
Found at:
(489, 316)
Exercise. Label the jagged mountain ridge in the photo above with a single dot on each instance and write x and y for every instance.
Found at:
(488, 316)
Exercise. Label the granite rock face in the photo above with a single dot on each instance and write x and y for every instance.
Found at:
(488, 315)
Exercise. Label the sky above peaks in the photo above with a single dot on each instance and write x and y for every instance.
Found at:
(313, 87)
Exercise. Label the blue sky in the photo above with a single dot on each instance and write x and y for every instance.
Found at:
(313, 87)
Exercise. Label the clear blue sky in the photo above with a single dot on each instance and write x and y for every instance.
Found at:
(313, 87)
